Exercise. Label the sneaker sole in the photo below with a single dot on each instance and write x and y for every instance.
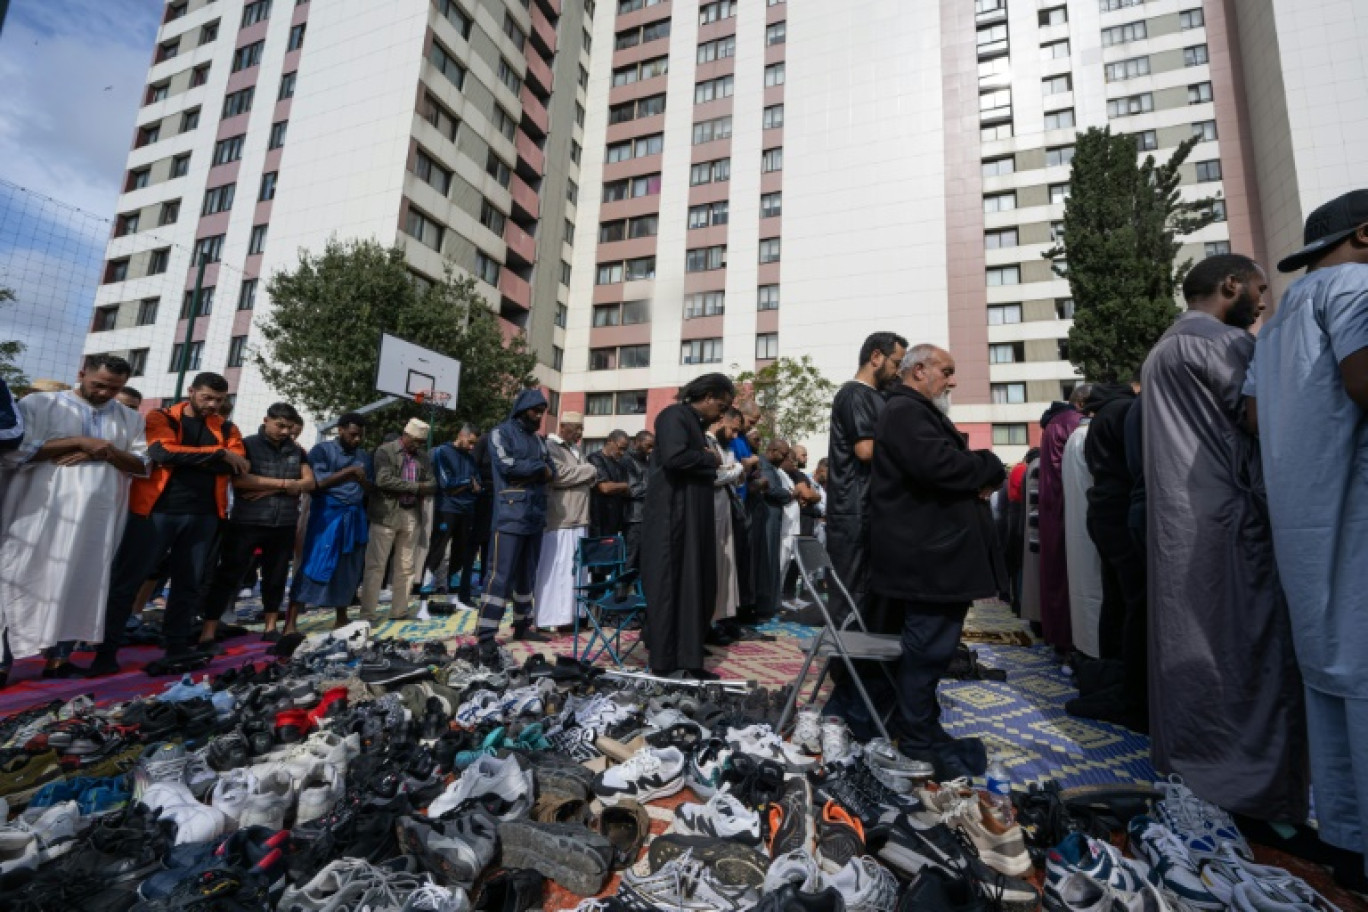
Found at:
(573, 865)
(642, 797)
(732, 863)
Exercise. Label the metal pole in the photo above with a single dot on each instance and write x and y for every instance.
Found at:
(190, 326)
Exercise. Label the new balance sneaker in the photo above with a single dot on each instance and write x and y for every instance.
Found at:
(1099, 860)
(1077, 892)
(789, 826)
(685, 883)
(866, 886)
(1202, 826)
(760, 741)
(650, 774)
(707, 765)
(1228, 871)
(797, 868)
(840, 837)
(1171, 864)
(898, 772)
(723, 816)
(807, 731)
(572, 855)
(500, 785)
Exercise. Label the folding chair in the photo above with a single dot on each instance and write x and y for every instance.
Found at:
(832, 640)
(608, 604)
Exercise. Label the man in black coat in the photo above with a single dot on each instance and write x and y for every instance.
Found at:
(935, 551)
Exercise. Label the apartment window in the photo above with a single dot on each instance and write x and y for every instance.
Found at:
(249, 55)
(1218, 210)
(190, 120)
(117, 270)
(1055, 50)
(631, 402)
(441, 58)
(630, 356)
(199, 75)
(431, 173)
(988, 6)
(711, 89)
(996, 240)
(609, 274)
(287, 87)
(1059, 15)
(296, 40)
(492, 218)
(719, 49)
(514, 33)
(256, 243)
(1113, 5)
(238, 102)
(1130, 105)
(1199, 93)
(569, 234)
(105, 318)
(1064, 308)
(1191, 19)
(456, 16)
(557, 363)
(1056, 232)
(576, 151)
(218, 199)
(168, 50)
(999, 202)
(705, 259)
(766, 346)
(607, 315)
(509, 76)
(1216, 248)
(995, 167)
(710, 172)
(562, 315)
(708, 214)
(598, 404)
(1196, 55)
(602, 359)
(772, 160)
(1004, 314)
(565, 273)
(486, 268)
(255, 12)
(634, 312)
(178, 353)
(1122, 70)
(206, 303)
(423, 228)
(247, 295)
(705, 304)
(1208, 170)
(209, 32)
(149, 134)
(147, 311)
(771, 204)
(1059, 120)
(1004, 275)
(268, 186)
(277, 138)
(710, 130)
(769, 250)
(1124, 34)
(228, 150)
(137, 362)
(774, 117)
(170, 212)
(504, 122)
(583, 77)
(774, 74)
(776, 33)
(992, 39)
(209, 249)
(587, 40)
(180, 165)
(1009, 435)
(579, 113)
(1060, 155)
(767, 297)
(1056, 85)
(1204, 130)
(1147, 141)
(497, 169)
(654, 31)
(701, 351)
(1009, 393)
(237, 351)
(713, 12)
(994, 104)
(1059, 193)
(158, 261)
(158, 92)
(610, 232)
(1006, 353)
(126, 224)
(647, 185)
(138, 179)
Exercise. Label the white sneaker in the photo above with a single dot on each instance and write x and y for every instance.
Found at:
(319, 793)
(865, 885)
(331, 748)
(39, 835)
(270, 802)
(761, 741)
(1171, 862)
(723, 816)
(422, 614)
(889, 765)
(195, 822)
(798, 868)
(294, 760)
(1201, 825)
(231, 793)
(503, 778)
(1272, 896)
(1228, 872)
(835, 740)
(651, 773)
(807, 731)
(1077, 892)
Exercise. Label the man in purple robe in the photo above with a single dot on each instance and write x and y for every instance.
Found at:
(1059, 422)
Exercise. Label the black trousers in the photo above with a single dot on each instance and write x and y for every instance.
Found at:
(511, 576)
(188, 540)
(1124, 632)
(239, 542)
(930, 635)
(482, 535)
(632, 539)
(456, 530)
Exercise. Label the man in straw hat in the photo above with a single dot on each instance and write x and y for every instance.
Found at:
(403, 477)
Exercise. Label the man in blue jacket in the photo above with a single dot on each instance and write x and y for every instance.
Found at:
(458, 484)
(522, 467)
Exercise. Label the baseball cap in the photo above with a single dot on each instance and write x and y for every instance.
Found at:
(1327, 226)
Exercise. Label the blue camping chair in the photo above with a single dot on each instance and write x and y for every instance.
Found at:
(608, 605)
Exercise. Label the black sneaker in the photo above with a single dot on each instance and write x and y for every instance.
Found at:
(388, 670)
(514, 890)
(909, 851)
(933, 890)
(790, 899)
(788, 821)
(572, 855)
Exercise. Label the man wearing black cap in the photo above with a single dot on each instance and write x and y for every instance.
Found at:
(1308, 389)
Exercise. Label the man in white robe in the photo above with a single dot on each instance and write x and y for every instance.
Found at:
(729, 474)
(64, 508)
(1084, 563)
(567, 521)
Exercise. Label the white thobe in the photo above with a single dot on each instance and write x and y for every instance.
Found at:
(60, 525)
(789, 525)
(1083, 561)
(556, 581)
(728, 474)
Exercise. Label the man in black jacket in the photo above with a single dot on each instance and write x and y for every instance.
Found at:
(934, 550)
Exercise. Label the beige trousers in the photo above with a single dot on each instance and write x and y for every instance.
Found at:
(397, 540)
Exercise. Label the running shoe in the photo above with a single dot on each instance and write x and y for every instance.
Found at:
(1202, 826)
(1172, 866)
(650, 774)
(723, 816)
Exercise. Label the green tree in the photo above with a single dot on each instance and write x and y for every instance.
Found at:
(322, 335)
(1122, 222)
(793, 395)
(10, 352)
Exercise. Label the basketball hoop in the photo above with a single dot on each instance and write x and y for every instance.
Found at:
(434, 399)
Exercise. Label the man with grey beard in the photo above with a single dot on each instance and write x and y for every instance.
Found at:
(934, 552)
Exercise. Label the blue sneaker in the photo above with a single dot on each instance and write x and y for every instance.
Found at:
(105, 796)
(1171, 865)
(59, 791)
(186, 689)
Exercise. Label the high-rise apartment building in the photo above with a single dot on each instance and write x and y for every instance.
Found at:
(269, 126)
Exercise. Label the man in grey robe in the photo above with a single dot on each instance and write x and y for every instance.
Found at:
(1226, 709)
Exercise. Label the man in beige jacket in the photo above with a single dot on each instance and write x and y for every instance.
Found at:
(567, 521)
(403, 478)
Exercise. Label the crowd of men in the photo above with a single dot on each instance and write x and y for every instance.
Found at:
(1190, 544)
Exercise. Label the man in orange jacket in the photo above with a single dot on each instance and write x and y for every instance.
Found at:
(174, 512)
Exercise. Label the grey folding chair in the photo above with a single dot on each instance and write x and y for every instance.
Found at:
(832, 640)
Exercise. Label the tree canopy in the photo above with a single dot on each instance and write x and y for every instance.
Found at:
(10, 351)
(794, 397)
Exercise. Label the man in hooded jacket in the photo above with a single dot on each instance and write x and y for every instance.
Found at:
(522, 468)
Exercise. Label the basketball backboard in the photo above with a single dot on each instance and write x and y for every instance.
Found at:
(406, 369)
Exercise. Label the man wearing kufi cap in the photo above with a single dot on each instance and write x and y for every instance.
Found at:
(403, 477)
(567, 521)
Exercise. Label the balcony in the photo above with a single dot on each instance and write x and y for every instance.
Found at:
(538, 72)
(552, 7)
(534, 111)
(527, 151)
(524, 197)
(515, 289)
(544, 31)
(521, 244)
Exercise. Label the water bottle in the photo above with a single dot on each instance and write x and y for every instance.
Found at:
(999, 798)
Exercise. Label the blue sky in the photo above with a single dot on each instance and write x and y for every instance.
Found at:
(72, 72)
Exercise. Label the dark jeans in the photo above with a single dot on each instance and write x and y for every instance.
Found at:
(238, 544)
(1125, 632)
(189, 541)
(632, 539)
(510, 576)
(457, 530)
(484, 523)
